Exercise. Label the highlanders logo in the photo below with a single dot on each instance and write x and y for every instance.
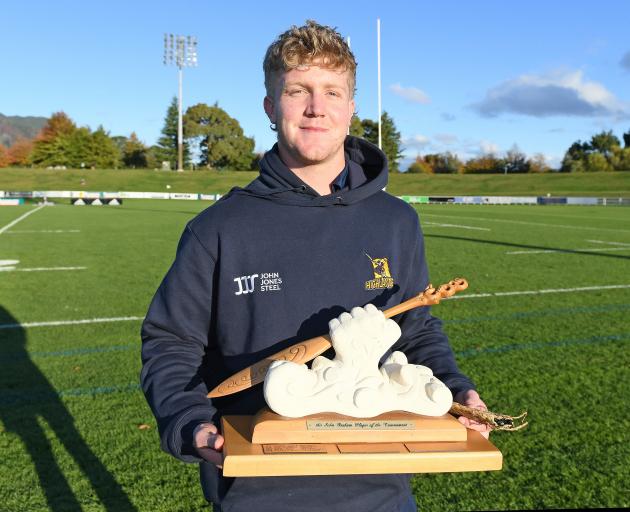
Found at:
(382, 276)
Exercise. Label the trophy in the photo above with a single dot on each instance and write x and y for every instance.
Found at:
(347, 415)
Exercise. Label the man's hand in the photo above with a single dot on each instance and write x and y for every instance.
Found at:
(472, 399)
(208, 443)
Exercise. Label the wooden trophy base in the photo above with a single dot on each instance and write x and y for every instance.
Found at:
(295, 452)
(269, 427)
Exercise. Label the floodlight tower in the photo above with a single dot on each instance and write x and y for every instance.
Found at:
(181, 51)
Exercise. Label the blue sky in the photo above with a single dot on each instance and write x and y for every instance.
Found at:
(466, 77)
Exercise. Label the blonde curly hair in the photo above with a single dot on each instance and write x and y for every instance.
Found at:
(309, 44)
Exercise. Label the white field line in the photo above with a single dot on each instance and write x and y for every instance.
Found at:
(454, 226)
(21, 231)
(455, 297)
(22, 217)
(608, 243)
(540, 292)
(559, 251)
(531, 212)
(523, 222)
(72, 322)
(38, 269)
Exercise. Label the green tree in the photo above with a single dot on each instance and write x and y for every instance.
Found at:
(538, 163)
(103, 152)
(51, 144)
(420, 166)
(153, 162)
(255, 166)
(577, 152)
(603, 153)
(370, 131)
(485, 164)
(67, 149)
(4, 156)
(166, 150)
(619, 159)
(78, 148)
(53, 152)
(58, 124)
(597, 162)
(120, 141)
(444, 163)
(604, 142)
(221, 141)
(570, 165)
(356, 128)
(515, 160)
(75, 149)
(20, 152)
(390, 138)
(134, 153)
(624, 160)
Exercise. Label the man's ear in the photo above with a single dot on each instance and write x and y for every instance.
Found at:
(352, 110)
(269, 109)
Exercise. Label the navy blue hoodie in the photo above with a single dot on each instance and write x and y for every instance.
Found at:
(268, 266)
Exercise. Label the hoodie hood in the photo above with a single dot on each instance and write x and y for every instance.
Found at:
(278, 183)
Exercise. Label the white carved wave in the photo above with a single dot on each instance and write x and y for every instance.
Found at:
(352, 383)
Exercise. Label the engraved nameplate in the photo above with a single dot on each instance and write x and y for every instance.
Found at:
(372, 448)
(271, 449)
(359, 425)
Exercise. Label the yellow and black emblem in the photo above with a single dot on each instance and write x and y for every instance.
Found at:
(382, 276)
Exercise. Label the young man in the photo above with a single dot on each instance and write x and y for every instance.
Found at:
(271, 264)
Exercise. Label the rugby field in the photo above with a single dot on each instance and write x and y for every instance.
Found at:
(544, 326)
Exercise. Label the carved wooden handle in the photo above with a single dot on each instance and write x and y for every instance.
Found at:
(307, 350)
(255, 374)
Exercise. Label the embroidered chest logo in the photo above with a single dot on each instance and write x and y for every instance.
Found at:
(263, 282)
(382, 276)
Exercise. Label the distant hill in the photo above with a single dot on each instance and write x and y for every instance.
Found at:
(14, 127)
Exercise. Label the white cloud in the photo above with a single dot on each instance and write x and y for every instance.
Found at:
(410, 94)
(448, 139)
(486, 147)
(416, 142)
(446, 142)
(553, 161)
(561, 93)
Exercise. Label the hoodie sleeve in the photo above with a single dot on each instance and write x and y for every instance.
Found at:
(423, 340)
(174, 342)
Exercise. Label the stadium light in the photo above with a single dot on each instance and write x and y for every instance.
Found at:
(182, 52)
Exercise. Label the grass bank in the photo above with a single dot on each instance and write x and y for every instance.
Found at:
(557, 184)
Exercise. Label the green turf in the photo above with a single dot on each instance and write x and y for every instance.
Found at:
(612, 184)
(71, 411)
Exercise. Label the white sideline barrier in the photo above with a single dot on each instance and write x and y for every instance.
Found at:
(511, 200)
(465, 200)
(186, 197)
(582, 200)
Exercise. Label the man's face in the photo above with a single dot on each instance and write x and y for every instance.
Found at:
(312, 108)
